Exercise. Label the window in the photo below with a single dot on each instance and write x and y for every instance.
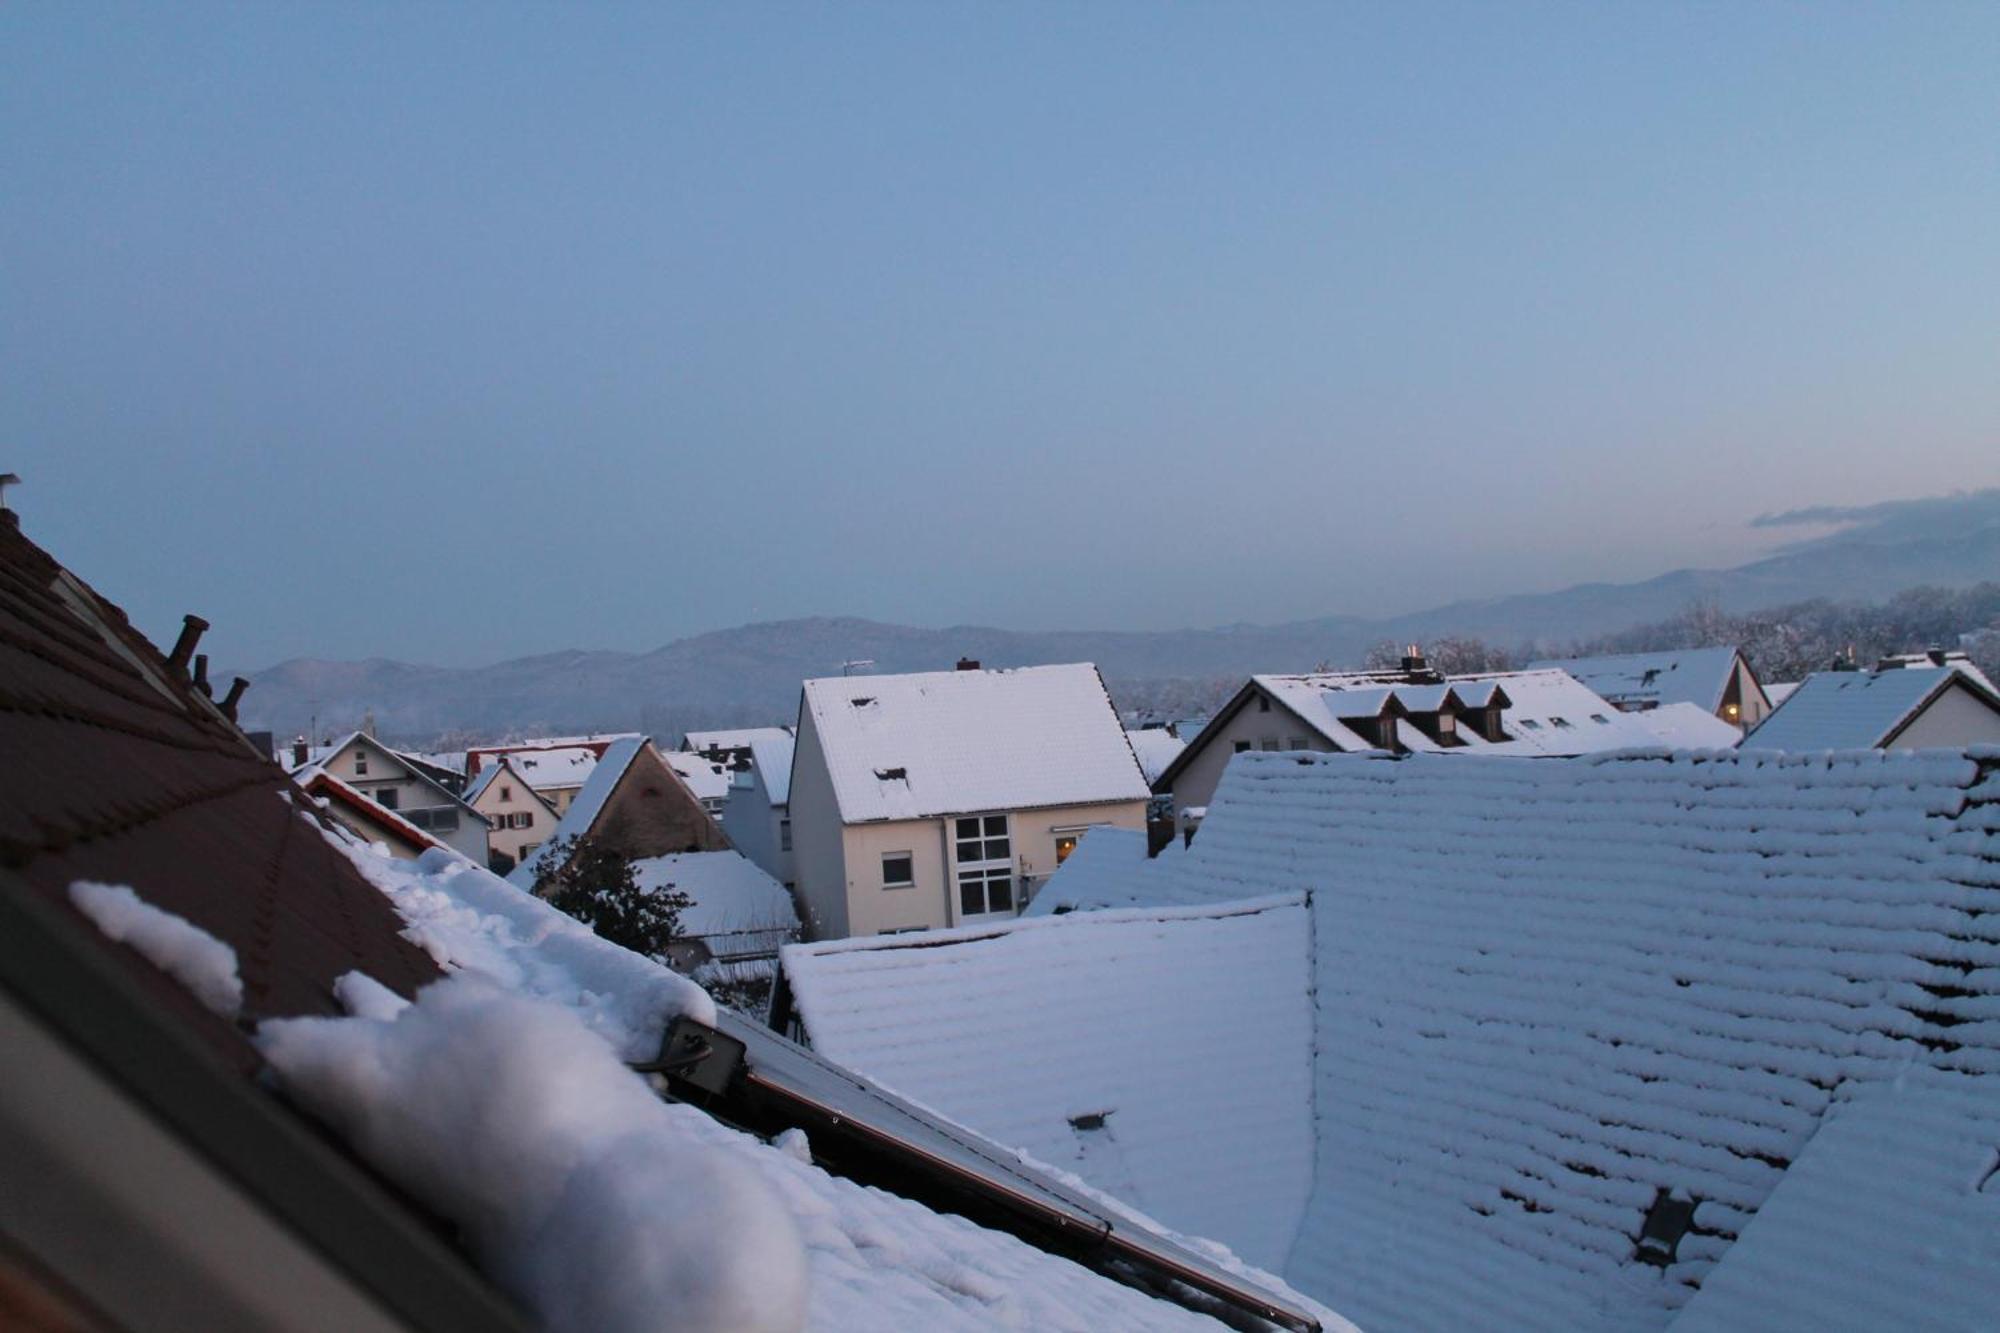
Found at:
(522, 819)
(784, 835)
(983, 839)
(506, 793)
(1241, 746)
(1447, 724)
(1531, 724)
(984, 855)
(1298, 743)
(434, 819)
(1268, 743)
(898, 870)
(361, 765)
(386, 797)
(1065, 844)
(1263, 704)
(1560, 723)
(1600, 719)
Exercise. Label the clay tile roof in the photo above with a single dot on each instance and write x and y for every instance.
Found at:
(118, 770)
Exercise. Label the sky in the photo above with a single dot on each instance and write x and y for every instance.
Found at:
(455, 333)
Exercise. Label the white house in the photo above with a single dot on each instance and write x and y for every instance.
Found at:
(938, 798)
(1896, 707)
(519, 816)
(393, 782)
(1717, 680)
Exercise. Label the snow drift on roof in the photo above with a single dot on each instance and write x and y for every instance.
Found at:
(707, 779)
(949, 742)
(1109, 1044)
(554, 769)
(1155, 747)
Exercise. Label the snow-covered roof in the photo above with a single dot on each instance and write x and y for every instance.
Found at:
(1955, 658)
(1548, 712)
(737, 738)
(1888, 1220)
(948, 742)
(731, 896)
(1155, 748)
(584, 809)
(771, 751)
(1779, 691)
(553, 769)
(1108, 868)
(1839, 710)
(706, 778)
(1696, 676)
(1547, 992)
(1108, 1044)
(1683, 726)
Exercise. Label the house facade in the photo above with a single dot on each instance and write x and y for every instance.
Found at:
(393, 782)
(1899, 706)
(942, 798)
(519, 818)
(634, 803)
(756, 813)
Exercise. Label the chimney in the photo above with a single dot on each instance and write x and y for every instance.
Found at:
(1413, 660)
(968, 664)
(201, 674)
(1936, 655)
(300, 751)
(234, 697)
(192, 628)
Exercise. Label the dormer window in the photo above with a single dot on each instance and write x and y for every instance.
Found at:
(1447, 724)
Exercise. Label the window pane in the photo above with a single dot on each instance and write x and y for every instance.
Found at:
(970, 901)
(1000, 894)
(969, 851)
(997, 849)
(896, 870)
(996, 826)
(968, 828)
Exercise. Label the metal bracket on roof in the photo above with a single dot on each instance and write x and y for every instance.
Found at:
(696, 1055)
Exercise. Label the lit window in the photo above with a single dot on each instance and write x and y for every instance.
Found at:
(898, 870)
(1065, 844)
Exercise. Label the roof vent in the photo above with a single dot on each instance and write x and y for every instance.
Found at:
(893, 774)
(1089, 1120)
(1666, 1222)
(192, 628)
(968, 664)
(863, 701)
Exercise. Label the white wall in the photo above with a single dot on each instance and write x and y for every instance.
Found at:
(755, 826)
(387, 772)
(819, 850)
(1957, 718)
(1279, 729)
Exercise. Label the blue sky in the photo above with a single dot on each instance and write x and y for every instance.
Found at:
(457, 333)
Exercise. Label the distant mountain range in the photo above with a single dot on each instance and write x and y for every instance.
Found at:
(752, 674)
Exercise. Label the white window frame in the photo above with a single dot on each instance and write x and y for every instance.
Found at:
(911, 882)
(982, 857)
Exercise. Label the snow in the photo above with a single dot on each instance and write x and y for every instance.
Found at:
(736, 907)
(1108, 869)
(554, 769)
(1890, 1219)
(771, 751)
(577, 1188)
(1835, 710)
(471, 921)
(184, 951)
(1155, 747)
(1545, 991)
(707, 779)
(949, 742)
(1548, 712)
(1116, 1015)
(1697, 676)
(1682, 726)
(584, 808)
(499, 1098)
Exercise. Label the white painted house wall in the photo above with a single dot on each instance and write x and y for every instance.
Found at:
(1955, 719)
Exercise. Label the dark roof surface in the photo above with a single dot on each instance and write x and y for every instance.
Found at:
(117, 769)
